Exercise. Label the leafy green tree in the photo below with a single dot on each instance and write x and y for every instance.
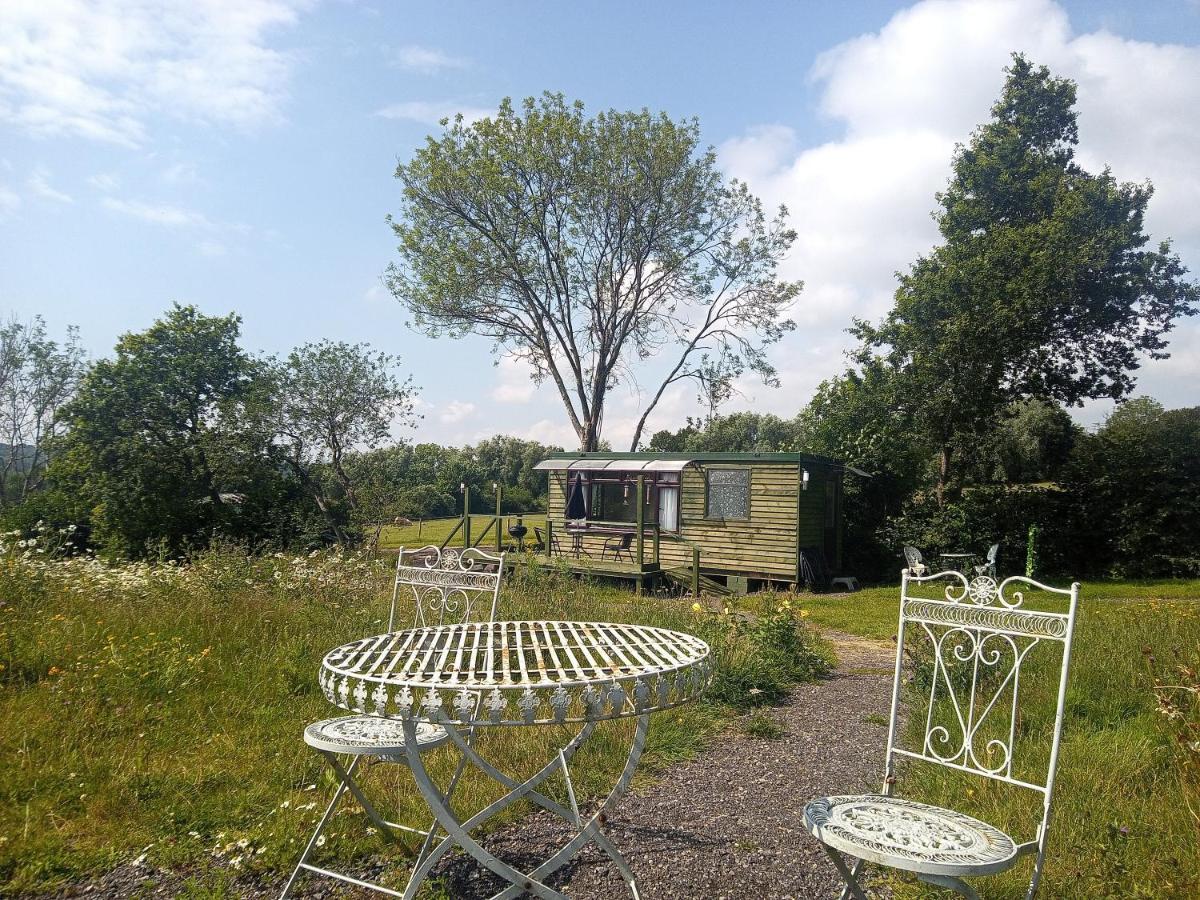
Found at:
(331, 400)
(585, 246)
(1043, 286)
(37, 377)
(1135, 490)
(1031, 443)
(741, 432)
(158, 447)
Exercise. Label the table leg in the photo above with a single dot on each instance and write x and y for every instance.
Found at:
(458, 831)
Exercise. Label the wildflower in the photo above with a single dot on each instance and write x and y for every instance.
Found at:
(696, 607)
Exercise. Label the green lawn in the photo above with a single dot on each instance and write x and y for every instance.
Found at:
(159, 710)
(1128, 796)
(434, 531)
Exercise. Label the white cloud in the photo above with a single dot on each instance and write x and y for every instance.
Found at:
(98, 70)
(105, 181)
(181, 173)
(431, 112)
(553, 432)
(904, 96)
(426, 60)
(514, 382)
(158, 214)
(39, 183)
(456, 411)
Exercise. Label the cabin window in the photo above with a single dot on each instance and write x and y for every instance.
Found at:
(728, 494)
(615, 500)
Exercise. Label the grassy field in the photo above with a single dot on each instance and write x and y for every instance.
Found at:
(434, 531)
(1127, 802)
(158, 710)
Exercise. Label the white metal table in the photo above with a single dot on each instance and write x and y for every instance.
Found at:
(464, 676)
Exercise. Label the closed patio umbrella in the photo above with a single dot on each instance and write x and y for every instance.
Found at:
(576, 503)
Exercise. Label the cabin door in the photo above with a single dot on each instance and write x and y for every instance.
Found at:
(833, 500)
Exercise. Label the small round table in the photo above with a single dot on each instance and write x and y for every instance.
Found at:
(460, 677)
(957, 561)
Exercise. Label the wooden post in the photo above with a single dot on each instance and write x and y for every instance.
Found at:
(466, 516)
(549, 533)
(657, 559)
(696, 572)
(641, 528)
(499, 498)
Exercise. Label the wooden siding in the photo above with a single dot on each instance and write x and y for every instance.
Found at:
(782, 519)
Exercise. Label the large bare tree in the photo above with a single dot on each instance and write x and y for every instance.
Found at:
(586, 246)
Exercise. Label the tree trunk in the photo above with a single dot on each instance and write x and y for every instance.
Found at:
(943, 474)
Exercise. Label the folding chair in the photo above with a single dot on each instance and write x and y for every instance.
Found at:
(978, 636)
(447, 585)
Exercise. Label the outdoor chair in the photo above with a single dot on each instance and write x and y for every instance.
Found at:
(916, 563)
(448, 586)
(988, 567)
(963, 675)
(617, 545)
(555, 548)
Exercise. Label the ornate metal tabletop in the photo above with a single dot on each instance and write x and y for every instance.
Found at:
(518, 673)
(457, 677)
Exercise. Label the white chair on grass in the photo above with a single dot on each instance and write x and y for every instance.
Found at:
(916, 563)
(447, 586)
(970, 646)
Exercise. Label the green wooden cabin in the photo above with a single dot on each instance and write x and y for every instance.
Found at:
(751, 519)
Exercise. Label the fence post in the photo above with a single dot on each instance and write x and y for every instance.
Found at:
(696, 572)
(466, 516)
(549, 534)
(499, 497)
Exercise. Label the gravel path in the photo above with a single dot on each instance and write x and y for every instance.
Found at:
(722, 826)
(726, 825)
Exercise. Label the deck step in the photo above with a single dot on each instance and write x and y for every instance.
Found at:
(682, 576)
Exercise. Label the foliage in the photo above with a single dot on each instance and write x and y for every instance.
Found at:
(1042, 287)
(162, 445)
(330, 400)
(741, 432)
(760, 658)
(1135, 490)
(37, 377)
(585, 246)
(156, 708)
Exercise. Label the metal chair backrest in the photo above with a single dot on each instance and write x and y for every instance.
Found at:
(967, 649)
(992, 554)
(916, 564)
(448, 585)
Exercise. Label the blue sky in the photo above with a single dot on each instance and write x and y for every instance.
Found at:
(238, 154)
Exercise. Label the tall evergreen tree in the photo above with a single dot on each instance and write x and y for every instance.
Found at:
(1043, 286)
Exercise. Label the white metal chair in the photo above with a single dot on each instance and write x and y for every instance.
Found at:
(977, 636)
(916, 563)
(988, 567)
(447, 585)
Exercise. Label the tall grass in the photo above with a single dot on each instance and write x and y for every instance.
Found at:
(158, 709)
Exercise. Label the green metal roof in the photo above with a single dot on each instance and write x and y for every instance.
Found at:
(798, 458)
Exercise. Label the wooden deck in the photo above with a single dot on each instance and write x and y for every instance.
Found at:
(648, 576)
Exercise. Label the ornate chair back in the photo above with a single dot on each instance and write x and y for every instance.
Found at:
(916, 563)
(970, 652)
(448, 585)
